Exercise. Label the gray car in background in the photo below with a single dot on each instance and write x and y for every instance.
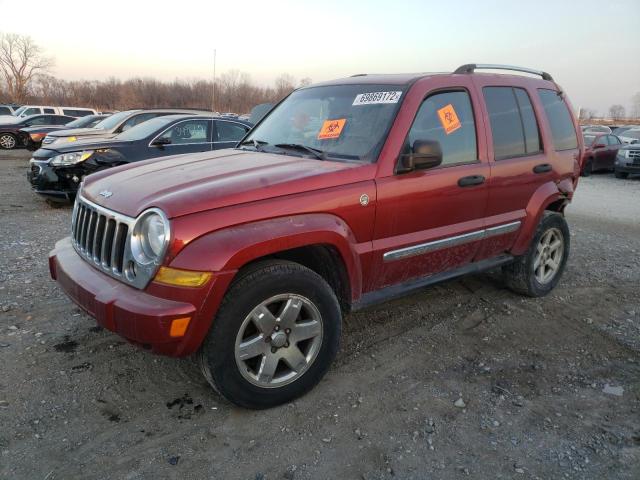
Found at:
(113, 125)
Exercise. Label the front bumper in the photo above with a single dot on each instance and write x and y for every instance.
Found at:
(136, 315)
(55, 183)
(630, 168)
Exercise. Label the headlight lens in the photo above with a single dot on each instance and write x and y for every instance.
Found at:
(150, 237)
(72, 158)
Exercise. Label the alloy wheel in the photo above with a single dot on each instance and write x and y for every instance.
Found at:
(279, 340)
(548, 258)
(7, 142)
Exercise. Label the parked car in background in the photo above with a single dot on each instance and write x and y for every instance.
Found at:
(631, 136)
(114, 125)
(31, 137)
(9, 109)
(56, 171)
(26, 110)
(600, 151)
(347, 194)
(10, 127)
(596, 129)
(628, 161)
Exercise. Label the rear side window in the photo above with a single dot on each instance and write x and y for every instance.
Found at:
(49, 110)
(458, 140)
(72, 112)
(5, 111)
(513, 123)
(560, 122)
(229, 132)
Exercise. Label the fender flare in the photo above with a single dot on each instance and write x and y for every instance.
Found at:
(229, 249)
(544, 196)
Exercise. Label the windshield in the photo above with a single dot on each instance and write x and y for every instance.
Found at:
(144, 129)
(114, 120)
(343, 121)
(588, 140)
(19, 111)
(632, 134)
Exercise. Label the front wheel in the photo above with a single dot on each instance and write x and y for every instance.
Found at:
(8, 141)
(538, 271)
(587, 169)
(274, 337)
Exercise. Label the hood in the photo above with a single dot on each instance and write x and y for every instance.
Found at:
(56, 148)
(41, 129)
(184, 184)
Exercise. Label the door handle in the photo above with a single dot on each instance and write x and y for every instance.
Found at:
(542, 168)
(471, 180)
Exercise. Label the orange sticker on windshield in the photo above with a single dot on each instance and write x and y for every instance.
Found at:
(449, 119)
(331, 128)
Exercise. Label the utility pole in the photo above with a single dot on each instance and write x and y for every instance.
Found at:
(213, 92)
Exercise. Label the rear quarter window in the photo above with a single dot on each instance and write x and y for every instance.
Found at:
(559, 119)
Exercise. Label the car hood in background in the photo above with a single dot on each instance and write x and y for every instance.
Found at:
(185, 184)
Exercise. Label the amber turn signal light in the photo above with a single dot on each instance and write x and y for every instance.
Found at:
(179, 326)
(181, 278)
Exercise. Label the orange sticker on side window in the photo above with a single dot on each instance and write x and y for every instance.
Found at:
(331, 128)
(449, 119)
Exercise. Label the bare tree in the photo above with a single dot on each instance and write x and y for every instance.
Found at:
(616, 112)
(587, 114)
(21, 60)
(285, 84)
(305, 82)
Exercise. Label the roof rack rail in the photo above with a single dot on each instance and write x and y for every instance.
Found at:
(471, 67)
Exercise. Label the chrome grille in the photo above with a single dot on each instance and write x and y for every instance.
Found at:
(634, 155)
(100, 236)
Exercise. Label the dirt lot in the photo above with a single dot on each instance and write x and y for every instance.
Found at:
(551, 386)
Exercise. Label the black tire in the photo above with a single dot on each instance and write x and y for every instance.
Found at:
(8, 141)
(253, 286)
(520, 275)
(587, 168)
(619, 174)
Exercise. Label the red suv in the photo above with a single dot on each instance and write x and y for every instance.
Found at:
(348, 193)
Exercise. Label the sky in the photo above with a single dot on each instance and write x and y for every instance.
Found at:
(591, 48)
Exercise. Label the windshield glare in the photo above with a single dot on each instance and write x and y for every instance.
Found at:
(19, 111)
(113, 121)
(345, 121)
(81, 122)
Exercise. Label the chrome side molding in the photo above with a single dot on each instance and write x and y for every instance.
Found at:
(423, 248)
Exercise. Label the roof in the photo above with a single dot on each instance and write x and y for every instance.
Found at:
(378, 78)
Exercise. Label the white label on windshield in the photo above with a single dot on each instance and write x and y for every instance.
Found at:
(377, 97)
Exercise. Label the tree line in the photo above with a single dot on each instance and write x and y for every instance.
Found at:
(26, 80)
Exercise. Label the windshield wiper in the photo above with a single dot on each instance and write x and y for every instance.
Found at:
(257, 144)
(319, 154)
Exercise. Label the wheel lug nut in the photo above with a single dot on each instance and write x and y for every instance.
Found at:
(287, 331)
(286, 345)
(274, 349)
(277, 328)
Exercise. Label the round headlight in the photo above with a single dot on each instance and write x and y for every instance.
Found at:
(150, 237)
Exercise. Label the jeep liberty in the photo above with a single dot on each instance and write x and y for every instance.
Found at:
(347, 193)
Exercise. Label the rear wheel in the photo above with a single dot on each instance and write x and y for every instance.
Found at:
(587, 169)
(274, 337)
(619, 174)
(538, 271)
(8, 141)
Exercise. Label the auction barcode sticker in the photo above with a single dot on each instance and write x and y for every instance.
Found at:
(376, 97)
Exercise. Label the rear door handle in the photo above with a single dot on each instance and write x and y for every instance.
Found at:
(471, 180)
(542, 168)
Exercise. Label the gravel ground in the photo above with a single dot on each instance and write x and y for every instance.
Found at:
(463, 380)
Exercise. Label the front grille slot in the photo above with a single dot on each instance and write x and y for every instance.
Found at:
(100, 236)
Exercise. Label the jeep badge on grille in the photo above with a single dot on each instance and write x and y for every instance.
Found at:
(106, 193)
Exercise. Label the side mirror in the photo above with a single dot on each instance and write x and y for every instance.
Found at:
(424, 154)
(161, 142)
(599, 145)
